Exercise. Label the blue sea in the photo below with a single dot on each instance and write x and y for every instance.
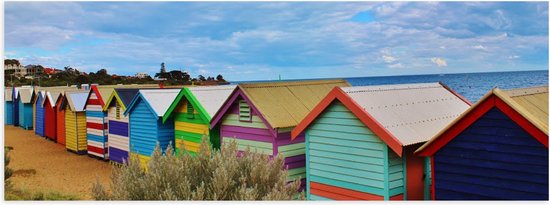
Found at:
(470, 85)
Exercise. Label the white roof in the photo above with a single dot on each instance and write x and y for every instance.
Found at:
(8, 94)
(212, 97)
(413, 113)
(77, 100)
(25, 94)
(160, 99)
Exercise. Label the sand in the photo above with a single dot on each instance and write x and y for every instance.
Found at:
(43, 165)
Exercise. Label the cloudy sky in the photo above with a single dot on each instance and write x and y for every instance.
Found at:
(261, 40)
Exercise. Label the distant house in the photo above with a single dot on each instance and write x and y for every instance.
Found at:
(17, 70)
(142, 75)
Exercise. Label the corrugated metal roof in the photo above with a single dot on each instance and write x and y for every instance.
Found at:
(159, 99)
(106, 90)
(8, 92)
(77, 100)
(212, 98)
(532, 103)
(285, 104)
(413, 113)
(26, 94)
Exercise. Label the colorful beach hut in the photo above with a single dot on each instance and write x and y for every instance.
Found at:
(39, 113)
(146, 128)
(261, 116)
(192, 111)
(117, 135)
(50, 117)
(75, 121)
(25, 96)
(496, 150)
(8, 107)
(60, 118)
(360, 140)
(96, 121)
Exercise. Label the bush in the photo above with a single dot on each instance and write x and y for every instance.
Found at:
(210, 175)
(7, 171)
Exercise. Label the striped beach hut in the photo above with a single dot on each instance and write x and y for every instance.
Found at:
(39, 113)
(117, 135)
(75, 121)
(261, 116)
(8, 107)
(496, 150)
(192, 111)
(96, 121)
(25, 100)
(360, 140)
(15, 116)
(146, 128)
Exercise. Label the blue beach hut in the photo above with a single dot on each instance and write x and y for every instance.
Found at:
(39, 114)
(25, 96)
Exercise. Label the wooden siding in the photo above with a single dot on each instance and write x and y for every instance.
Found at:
(25, 115)
(75, 131)
(96, 128)
(146, 129)
(253, 134)
(118, 134)
(343, 153)
(189, 129)
(494, 158)
(50, 121)
(60, 125)
(294, 153)
(39, 127)
(8, 112)
(395, 174)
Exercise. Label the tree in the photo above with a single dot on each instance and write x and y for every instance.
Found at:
(201, 78)
(220, 78)
(209, 175)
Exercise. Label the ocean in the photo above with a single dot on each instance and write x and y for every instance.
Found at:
(470, 85)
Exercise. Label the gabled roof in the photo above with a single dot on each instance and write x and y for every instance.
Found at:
(525, 106)
(25, 95)
(400, 115)
(123, 96)
(76, 100)
(206, 99)
(282, 104)
(158, 100)
(8, 93)
(104, 92)
(51, 96)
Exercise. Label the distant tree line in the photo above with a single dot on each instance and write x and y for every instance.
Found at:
(72, 76)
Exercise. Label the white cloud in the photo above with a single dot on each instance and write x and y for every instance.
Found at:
(440, 62)
(513, 57)
(480, 47)
(397, 65)
(389, 59)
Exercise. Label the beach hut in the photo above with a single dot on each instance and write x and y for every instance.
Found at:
(60, 118)
(50, 116)
(146, 128)
(360, 140)
(117, 135)
(25, 96)
(96, 122)
(15, 116)
(8, 107)
(496, 150)
(192, 111)
(39, 113)
(75, 121)
(261, 116)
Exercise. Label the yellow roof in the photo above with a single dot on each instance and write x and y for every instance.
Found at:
(285, 104)
(531, 103)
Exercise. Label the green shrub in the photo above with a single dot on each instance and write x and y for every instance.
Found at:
(7, 171)
(209, 175)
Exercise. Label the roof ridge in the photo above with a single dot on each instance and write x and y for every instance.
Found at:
(515, 92)
(391, 87)
(290, 83)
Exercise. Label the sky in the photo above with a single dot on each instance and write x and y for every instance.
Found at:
(294, 40)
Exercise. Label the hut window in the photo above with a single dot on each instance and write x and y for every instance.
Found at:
(117, 111)
(190, 111)
(244, 111)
